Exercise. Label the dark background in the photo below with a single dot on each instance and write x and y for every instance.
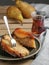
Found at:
(10, 2)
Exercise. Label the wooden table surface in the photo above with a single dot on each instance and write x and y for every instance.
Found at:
(27, 24)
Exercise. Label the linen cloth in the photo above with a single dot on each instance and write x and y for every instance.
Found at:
(43, 55)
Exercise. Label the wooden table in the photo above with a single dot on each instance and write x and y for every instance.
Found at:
(27, 24)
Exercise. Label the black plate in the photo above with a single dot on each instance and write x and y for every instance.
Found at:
(6, 56)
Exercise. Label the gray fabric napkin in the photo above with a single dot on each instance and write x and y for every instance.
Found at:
(43, 56)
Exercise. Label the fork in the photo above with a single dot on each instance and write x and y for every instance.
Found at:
(13, 42)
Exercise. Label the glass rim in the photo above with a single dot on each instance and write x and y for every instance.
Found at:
(38, 18)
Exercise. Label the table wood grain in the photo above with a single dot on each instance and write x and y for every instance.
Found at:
(27, 25)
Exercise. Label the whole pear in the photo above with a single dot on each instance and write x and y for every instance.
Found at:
(25, 8)
(15, 13)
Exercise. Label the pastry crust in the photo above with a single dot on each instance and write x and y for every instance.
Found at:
(24, 38)
(19, 50)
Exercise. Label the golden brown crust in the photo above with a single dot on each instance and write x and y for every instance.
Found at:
(19, 50)
(24, 38)
(20, 33)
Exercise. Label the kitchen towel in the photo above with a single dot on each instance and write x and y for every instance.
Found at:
(43, 56)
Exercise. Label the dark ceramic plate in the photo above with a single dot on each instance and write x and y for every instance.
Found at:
(33, 52)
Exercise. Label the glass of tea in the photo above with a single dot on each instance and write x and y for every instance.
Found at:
(38, 24)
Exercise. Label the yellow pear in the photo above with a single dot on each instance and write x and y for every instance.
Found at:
(15, 13)
(25, 8)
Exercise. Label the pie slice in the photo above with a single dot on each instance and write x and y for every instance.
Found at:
(24, 38)
(19, 50)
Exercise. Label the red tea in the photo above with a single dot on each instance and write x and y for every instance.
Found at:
(38, 25)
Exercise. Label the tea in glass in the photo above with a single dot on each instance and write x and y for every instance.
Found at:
(38, 24)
